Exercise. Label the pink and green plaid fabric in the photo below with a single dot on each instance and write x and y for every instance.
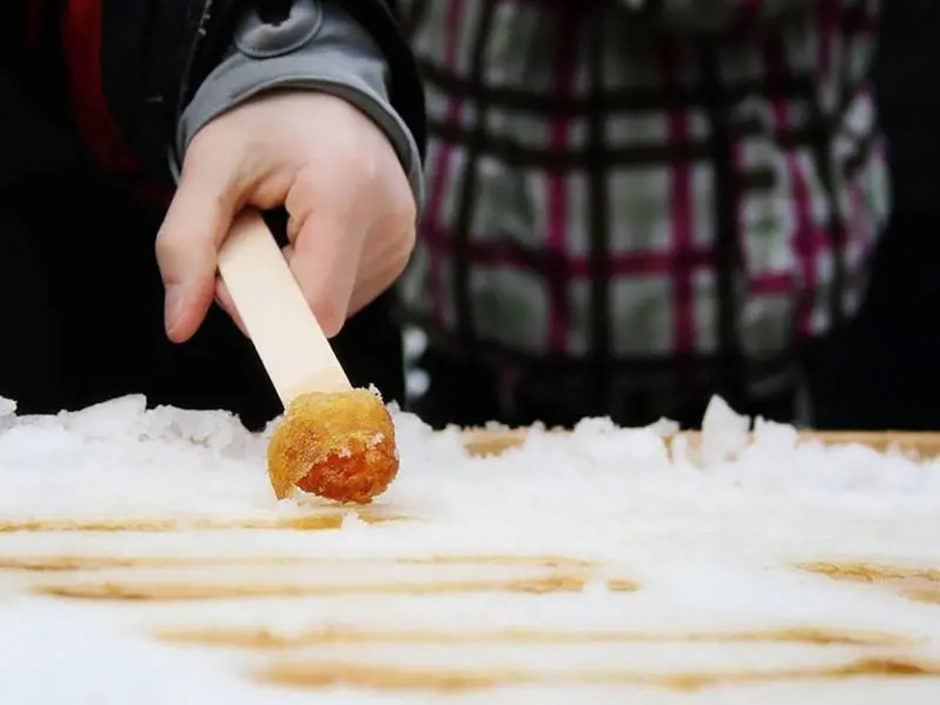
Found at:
(644, 193)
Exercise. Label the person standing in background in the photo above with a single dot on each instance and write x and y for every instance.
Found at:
(635, 205)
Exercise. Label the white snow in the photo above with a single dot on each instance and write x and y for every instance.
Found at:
(712, 547)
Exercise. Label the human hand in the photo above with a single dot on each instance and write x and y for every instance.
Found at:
(351, 210)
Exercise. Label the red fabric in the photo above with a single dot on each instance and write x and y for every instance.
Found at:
(563, 80)
(683, 257)
(81, 34)
(33, 23)
(81, 44)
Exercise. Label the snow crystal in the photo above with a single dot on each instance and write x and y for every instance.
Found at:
(607, 528)
(7, 406)
(45, 647)
(724, 432)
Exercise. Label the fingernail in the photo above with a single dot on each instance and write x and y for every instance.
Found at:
(173, 305)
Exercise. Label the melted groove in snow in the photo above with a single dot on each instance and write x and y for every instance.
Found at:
(324, 675)
(197, 591)
(871, 572)
(51, 564)
(918, 584)
(930, 596)
(263, 639)
(311, 522)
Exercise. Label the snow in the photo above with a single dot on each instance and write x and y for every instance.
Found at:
(657, 548)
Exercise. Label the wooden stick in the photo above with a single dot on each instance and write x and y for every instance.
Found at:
(925, 445)
(292, 346)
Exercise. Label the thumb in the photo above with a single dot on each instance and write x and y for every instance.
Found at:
(324, 263)
(187, 245)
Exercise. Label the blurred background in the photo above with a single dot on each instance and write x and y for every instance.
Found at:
(894, 346)
(82, 328)
(883, 370)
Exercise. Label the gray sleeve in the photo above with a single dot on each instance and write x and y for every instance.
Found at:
(316, 46)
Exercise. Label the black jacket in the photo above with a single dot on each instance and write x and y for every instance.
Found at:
(118, 73)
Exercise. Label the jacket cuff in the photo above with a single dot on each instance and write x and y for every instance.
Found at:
(314, 45)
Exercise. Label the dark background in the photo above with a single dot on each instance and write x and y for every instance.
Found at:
(884, 370)
(77, 274)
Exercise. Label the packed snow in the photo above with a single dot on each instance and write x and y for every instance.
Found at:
(604, 565)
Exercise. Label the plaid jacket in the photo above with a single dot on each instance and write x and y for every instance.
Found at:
(633, 198)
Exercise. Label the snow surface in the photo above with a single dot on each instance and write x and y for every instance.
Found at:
(712, 548)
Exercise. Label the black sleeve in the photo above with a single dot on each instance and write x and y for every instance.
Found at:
(135, 65)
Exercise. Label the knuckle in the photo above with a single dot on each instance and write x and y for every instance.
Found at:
(404, 251)
(406, 211)
(400, 228)
(165, 245)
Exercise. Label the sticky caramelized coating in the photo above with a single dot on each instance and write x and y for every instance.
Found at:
(340, 446)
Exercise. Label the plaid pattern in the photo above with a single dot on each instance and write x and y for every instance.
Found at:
(643, 197)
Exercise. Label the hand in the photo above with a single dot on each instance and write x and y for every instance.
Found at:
(352, 213)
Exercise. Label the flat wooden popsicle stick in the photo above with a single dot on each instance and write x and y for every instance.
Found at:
(289, 340)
